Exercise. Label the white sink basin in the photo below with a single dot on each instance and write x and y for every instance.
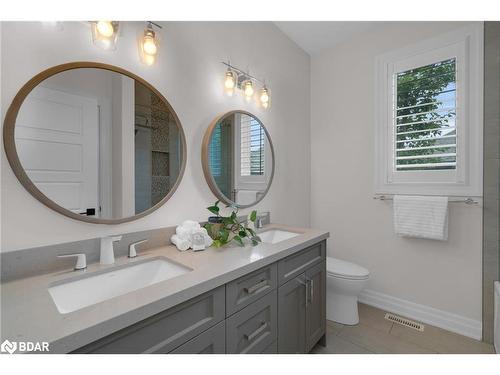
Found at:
(99, 287)
(276, 235)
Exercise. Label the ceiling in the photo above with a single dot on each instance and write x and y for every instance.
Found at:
(317, 36)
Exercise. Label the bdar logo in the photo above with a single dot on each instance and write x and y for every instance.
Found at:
(8, 346)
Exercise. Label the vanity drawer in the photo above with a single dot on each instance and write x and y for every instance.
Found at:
(249, 288)
(167, 330)
(254, 328)
(295, 264)
(212, 341)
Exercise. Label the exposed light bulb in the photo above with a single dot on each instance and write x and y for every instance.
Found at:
(264, 96)
(230, 81)
(105, 33)
(105, 28)
(149, 42)
(248, 88)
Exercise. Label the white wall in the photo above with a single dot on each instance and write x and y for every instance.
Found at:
(190, 76)
(441, 275)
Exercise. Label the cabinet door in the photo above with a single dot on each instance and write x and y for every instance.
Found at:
(316, 304)
(292, 316)
(212, 341)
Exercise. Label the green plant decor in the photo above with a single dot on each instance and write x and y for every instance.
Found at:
(230, 229)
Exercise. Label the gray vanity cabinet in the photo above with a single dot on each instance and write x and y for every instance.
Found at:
(279, 308)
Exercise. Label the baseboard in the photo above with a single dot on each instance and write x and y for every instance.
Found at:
(425, 314)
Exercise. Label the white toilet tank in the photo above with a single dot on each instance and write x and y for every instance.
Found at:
(497, 317)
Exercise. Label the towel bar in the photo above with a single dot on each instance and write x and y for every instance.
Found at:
(467, 200)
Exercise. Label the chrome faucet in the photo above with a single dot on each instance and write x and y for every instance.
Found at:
(259, 223)
(81, 260)
(132, 253)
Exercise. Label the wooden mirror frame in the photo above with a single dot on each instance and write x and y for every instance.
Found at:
(12, 156)
(206, 167)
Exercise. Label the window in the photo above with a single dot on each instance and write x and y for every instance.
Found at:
(424, 117)
(215, 151)
(252, 147)
(429, 122)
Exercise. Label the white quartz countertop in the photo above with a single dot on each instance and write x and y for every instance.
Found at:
(28, 312)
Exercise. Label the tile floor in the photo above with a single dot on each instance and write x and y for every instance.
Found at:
(374, 334)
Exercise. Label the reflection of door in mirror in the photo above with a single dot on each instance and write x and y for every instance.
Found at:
(57, 141)
(220, 151)
(252, 160)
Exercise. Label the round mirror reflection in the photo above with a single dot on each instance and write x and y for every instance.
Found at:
(99, 144)
(238, 159)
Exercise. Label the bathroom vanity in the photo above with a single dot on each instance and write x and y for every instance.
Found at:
(264, 299)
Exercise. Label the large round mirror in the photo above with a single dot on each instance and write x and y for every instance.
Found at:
(238, 159)
(95, 142)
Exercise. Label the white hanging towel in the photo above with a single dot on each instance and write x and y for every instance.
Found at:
(419, 216)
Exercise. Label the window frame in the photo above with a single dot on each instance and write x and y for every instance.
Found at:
(466, 46)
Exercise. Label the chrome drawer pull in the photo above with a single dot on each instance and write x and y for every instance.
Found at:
(257, 332)
(261, 284)
(311, 293)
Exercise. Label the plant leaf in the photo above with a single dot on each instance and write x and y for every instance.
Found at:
(233, 217)
(213, 209)
(227, 220)
(223, 234)
(242, 233)
(253, 216)
(251, 231)
(239, 240)
(217, 243)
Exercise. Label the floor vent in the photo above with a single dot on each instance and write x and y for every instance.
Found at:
(405, 322)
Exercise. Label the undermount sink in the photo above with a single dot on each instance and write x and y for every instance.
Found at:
(75, 295)
(276, 235)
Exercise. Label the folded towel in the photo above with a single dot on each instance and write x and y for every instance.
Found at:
(423, 217)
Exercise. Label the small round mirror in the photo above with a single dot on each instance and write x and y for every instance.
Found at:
(238, 159)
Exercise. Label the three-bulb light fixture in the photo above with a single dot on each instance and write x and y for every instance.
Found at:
(236, 78)
(105, 35)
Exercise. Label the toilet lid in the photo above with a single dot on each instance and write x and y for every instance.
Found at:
(348, 270)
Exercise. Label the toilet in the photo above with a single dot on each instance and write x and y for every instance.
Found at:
(344, 282)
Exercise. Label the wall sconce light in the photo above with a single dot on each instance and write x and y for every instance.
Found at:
(237, 78)
(149, 44)
(105, 34)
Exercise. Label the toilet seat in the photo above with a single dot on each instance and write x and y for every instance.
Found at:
(345, 270)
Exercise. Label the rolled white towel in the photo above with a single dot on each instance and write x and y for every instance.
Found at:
(181, 243)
